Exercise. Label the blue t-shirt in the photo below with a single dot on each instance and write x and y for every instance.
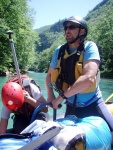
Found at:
(91, 52)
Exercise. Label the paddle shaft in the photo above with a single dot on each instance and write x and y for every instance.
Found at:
(41, 139)
(14, 56)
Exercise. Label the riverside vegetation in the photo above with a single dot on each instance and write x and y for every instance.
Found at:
(34, 48)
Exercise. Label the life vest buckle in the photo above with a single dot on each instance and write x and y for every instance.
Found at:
(78, 52)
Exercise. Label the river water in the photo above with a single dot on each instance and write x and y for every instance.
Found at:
(106, 86)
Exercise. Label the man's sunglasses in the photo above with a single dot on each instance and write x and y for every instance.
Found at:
(71, 27)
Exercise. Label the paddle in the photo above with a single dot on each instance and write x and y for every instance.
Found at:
(14, 55)
(109, 98)
(41, 139)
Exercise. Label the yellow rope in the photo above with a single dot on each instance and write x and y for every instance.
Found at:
(109, 98)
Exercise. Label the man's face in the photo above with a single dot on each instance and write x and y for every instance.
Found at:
(71, 31)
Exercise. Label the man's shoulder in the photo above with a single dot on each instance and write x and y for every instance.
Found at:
(58, 48)
(57, 51)
(87, 43)
(90, 45)
(34, 85)
(36, 91)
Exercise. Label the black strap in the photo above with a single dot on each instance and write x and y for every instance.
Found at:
(73, 106)
(62, 50)
(65, 46)
(16, 136)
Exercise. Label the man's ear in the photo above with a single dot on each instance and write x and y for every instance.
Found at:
(82, 31)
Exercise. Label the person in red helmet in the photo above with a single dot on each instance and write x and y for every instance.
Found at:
(12, 96)
(32, 97)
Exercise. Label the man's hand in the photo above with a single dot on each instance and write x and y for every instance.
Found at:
(56, 102)
(26, 96)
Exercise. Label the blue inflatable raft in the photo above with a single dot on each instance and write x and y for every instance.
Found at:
(90, 133)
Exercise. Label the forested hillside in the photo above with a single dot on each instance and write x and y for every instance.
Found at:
(34, 48)
(100, 23)
(48, 34)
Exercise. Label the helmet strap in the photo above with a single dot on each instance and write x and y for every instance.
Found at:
(81, 38)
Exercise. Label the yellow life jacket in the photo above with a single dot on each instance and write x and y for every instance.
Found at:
(74, 61)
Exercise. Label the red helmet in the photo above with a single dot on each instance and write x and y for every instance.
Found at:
(12, 96)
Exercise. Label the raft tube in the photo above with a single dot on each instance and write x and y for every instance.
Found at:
(97, 132)
(90, 133)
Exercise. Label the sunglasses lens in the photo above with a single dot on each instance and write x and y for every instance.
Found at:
(71, 27)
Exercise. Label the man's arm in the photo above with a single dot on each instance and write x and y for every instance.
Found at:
(35, 103)
(50, 92)
(90, 68)
(3, 125)
(36, 98)
(5, 113)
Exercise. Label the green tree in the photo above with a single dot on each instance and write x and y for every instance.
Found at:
(101, 31)
(43, 58)
(15, 15)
